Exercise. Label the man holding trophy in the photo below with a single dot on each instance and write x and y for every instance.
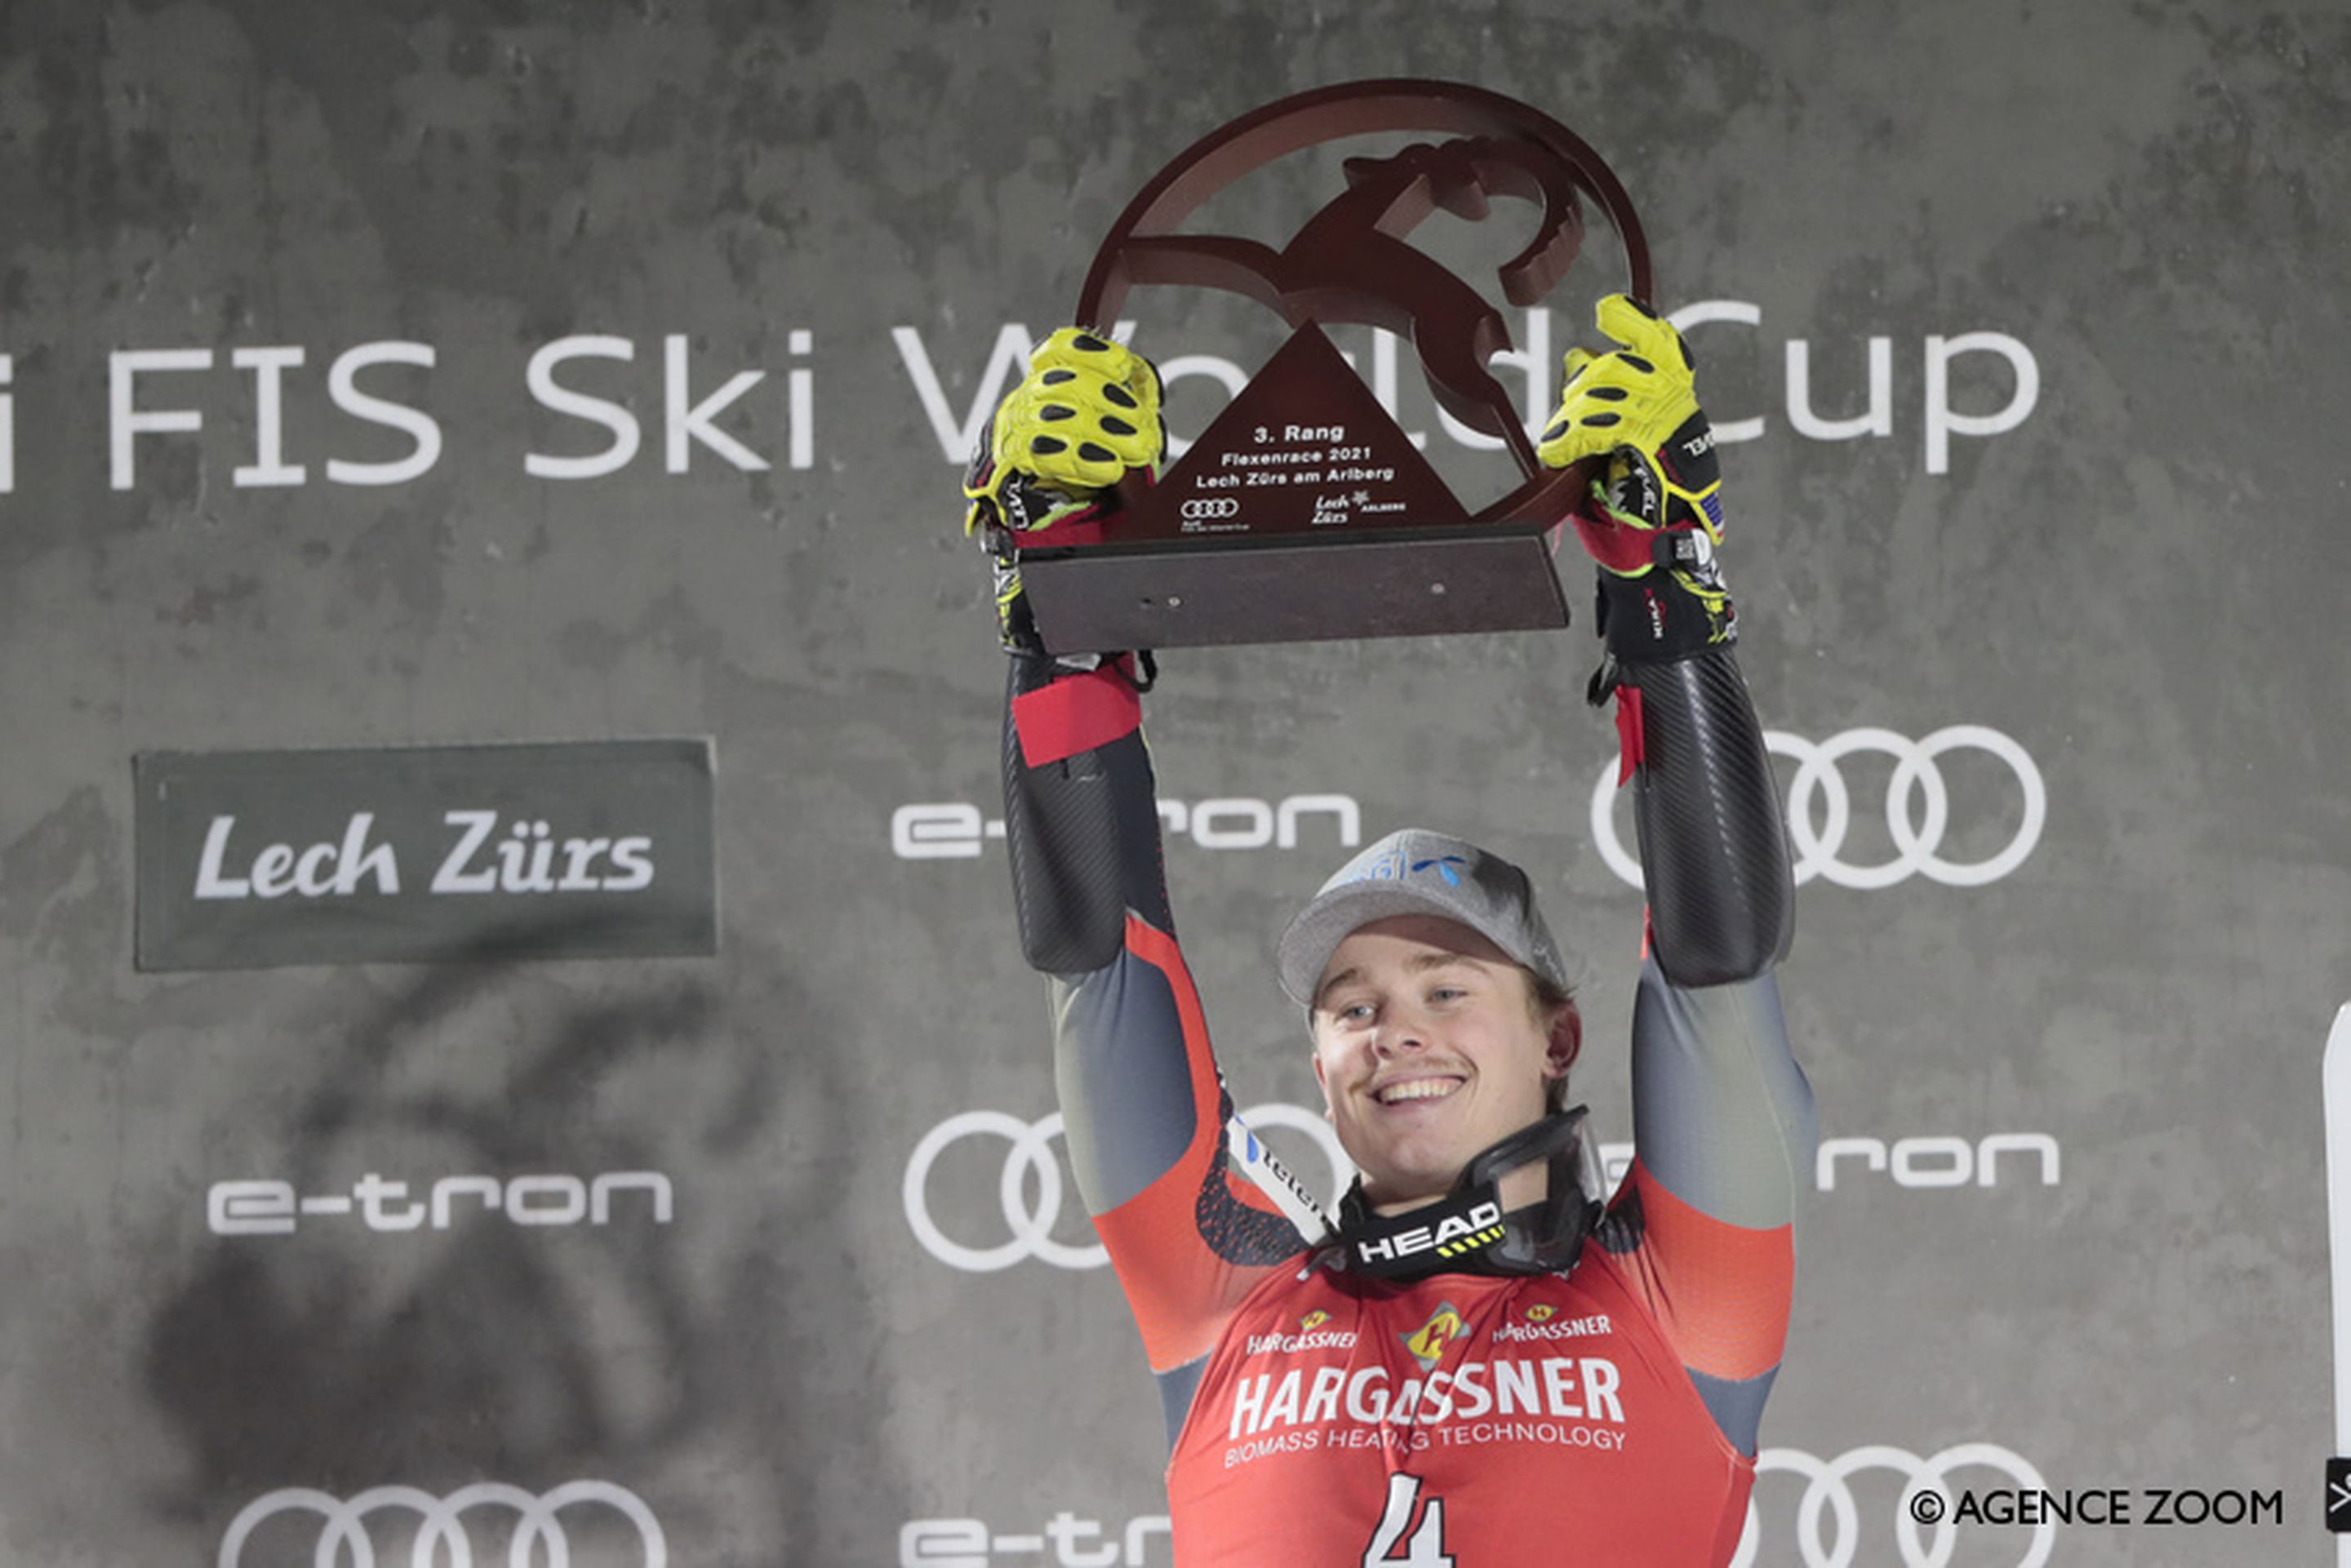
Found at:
(1487, 1360)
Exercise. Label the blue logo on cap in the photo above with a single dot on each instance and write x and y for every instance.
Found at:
(1444, 864)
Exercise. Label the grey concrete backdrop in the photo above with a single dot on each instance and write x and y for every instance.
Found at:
(2139, 584)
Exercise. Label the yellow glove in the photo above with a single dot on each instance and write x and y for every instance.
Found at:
(1658, 502)
(1087, 413)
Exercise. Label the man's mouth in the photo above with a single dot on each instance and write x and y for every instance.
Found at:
(1412, 1089)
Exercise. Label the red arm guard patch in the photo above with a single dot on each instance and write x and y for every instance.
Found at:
(1077, 713)
(1631, 747)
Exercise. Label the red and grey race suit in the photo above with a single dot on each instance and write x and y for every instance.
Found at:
(1605, 1413)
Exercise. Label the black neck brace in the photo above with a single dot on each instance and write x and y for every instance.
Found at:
(1466, 1231)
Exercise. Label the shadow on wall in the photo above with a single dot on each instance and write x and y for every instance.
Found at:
(577, 1276)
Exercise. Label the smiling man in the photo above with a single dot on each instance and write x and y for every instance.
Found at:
(1490, 1360)
(1432, 1041)
(1430, 1046)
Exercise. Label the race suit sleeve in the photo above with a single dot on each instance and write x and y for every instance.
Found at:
(1142, 1104)
(1723, 1119)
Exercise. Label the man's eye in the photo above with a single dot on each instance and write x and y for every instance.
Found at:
(1447, 993)
(1357, 1012)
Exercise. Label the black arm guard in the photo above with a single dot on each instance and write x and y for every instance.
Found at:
(1715, 850)
(1084, 841)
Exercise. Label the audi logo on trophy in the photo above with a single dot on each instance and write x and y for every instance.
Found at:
(1031, 1219)
(1828, 1492)
(1303, 511)
(542, 1526)
(1917, 785)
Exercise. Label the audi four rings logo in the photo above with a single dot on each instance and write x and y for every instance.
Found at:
(1032, 1225)
(1199, 508)
(442, 1532)
(1826, 1493)
(1917, 808)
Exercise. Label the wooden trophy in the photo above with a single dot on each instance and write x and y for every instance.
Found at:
(1303, 512)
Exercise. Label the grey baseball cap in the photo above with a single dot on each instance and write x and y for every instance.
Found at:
(1416, 872)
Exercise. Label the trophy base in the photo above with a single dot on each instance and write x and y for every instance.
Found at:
(1099, 598)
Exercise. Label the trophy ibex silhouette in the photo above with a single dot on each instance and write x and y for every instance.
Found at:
(1351, 261)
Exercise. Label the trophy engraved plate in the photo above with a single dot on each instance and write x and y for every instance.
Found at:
(1304, 447)
(1304, 512)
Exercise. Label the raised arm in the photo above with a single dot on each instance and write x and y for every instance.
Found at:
(1142, 1104)
(1722, 1116)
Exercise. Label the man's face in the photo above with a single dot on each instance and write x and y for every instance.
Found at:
(1428, 1051)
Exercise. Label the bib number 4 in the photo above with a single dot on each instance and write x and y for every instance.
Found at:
(1426, 1547)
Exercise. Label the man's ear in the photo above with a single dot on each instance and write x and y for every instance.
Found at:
(1566, 1041)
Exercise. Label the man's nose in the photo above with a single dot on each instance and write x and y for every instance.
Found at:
(1401, 1031)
